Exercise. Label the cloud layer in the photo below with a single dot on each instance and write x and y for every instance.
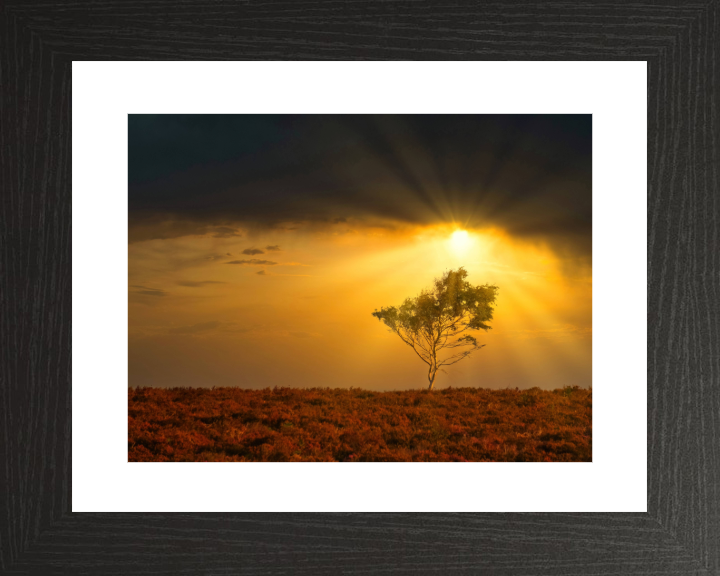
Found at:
(145, 291)
(253, 262)
(208, 174)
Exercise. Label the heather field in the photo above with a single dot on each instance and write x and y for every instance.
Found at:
(356, 425)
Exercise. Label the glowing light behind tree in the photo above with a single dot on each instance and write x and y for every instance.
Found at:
(439, 320)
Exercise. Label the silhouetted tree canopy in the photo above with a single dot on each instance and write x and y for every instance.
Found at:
(440, 319)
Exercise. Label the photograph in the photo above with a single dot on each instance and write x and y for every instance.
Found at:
(360, 288)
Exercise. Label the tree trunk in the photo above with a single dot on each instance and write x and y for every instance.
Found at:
(431, 378)
(433, 368)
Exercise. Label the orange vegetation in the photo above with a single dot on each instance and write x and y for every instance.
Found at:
(320, 425)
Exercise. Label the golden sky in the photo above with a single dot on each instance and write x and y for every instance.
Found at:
(260, 245)
(299, 314)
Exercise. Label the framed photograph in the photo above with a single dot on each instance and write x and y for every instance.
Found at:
(265, 251)
(229, 366)
(334, 317)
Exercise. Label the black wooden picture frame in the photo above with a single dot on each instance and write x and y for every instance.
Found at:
(680, 533)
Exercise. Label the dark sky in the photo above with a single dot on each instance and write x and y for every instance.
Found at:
(529, 174)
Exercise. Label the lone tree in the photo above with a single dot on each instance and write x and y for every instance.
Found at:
(439, 319)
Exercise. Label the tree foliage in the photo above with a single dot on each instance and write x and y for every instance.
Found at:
(437, 323)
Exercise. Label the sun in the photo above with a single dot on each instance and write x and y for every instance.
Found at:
(460, 241)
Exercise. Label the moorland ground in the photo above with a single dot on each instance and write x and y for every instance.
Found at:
(356, 425)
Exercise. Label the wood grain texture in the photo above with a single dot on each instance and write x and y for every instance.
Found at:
(680, 534)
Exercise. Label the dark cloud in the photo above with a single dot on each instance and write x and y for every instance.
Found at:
(252, 251)
(161, 226)
(253, 262)
(145, 291)
(225, 232)
(275, 248)
(191, 284)
(212, 174)
(261, 273)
